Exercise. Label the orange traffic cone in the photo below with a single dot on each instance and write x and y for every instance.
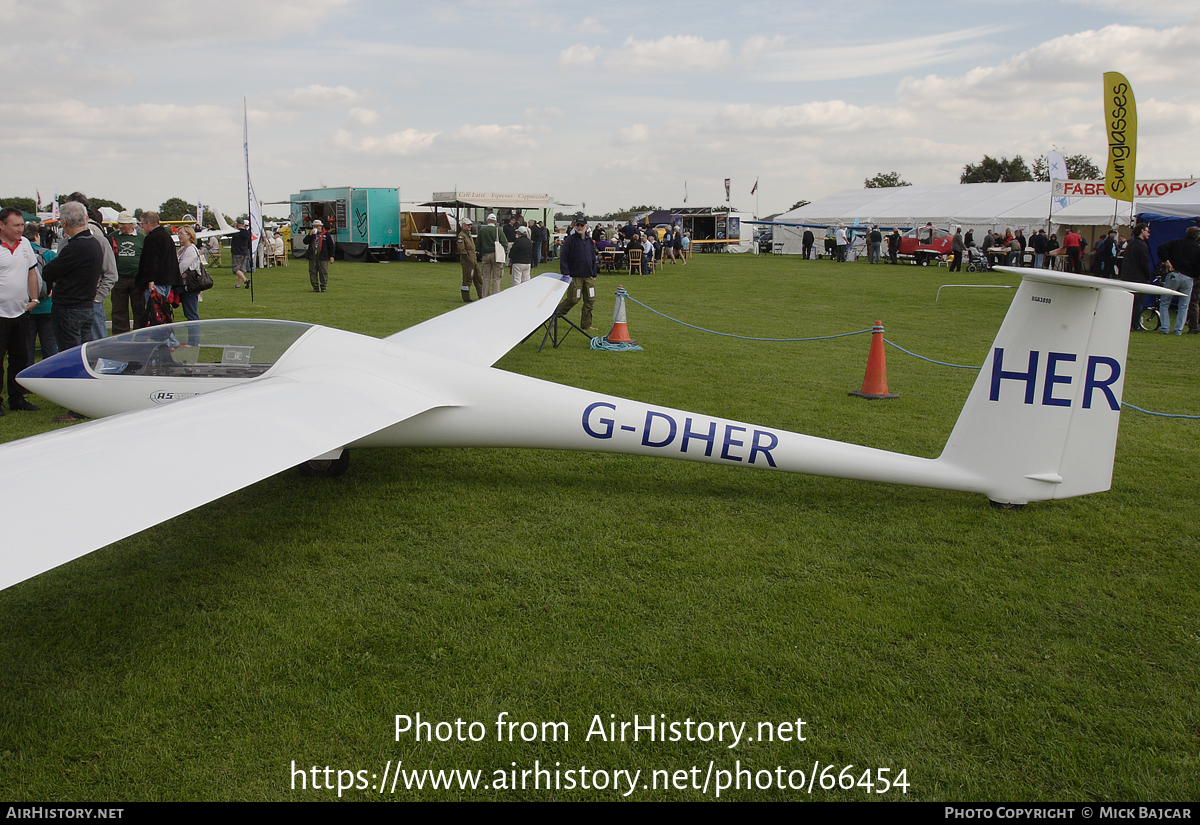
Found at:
(619, 334)
(875, 380)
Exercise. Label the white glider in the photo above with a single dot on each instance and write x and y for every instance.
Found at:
(240, 400)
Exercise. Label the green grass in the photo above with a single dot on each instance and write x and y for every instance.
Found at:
(1045, 654)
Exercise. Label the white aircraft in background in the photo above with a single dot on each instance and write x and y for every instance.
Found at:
(244, 399)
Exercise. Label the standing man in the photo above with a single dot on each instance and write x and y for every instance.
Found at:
(578, 261)
(493, 249)
(875, 238)
(320, 256)
(73, 276)
(239, 250)
(1182, 257)
(841, 243)
(1136, 268)
(18, 295)
(469, 262)
(521, 256)
(1040, 247)
(807, 240)
(1073, 242)
(127, 302)
(535, 237)
(957, 246)
(158, 268)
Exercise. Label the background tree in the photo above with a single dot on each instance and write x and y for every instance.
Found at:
(993, 170)
(798, 204)
(1079, 167)
(173, 209)
(24, 204)
(96, 203)
(885, 180)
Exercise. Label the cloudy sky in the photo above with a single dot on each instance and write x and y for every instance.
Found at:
(608, 104)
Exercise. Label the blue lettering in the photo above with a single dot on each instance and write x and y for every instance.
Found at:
(765, 450)
(607, 422)
(650, 416)
(1052, 378)
(1090, 383)
(729, 442)
(709, 439)
(998, 375)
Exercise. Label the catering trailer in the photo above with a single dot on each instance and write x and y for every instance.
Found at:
(365, 221)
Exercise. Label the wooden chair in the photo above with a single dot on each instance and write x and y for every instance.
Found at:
(635, 261)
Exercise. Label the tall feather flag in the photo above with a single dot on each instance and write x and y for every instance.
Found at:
(685, 191)
(1120, 123)
(255, 207)
(726, 190)
(1058, 171)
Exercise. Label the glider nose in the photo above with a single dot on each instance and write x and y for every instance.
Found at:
(68, 364)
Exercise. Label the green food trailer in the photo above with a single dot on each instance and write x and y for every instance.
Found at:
(366, 221)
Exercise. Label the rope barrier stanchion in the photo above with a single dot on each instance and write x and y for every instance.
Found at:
(618, 339)
(874, 385)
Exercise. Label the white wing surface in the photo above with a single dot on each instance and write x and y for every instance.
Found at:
(217, 443)
(481, 332)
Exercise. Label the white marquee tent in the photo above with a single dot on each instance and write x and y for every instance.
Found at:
(978, 206)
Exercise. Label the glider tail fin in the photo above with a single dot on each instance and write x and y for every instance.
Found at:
(1041, 420)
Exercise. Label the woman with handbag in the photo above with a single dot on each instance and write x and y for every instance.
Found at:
(192, 274)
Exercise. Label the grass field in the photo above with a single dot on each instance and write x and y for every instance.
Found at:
(1046, 654)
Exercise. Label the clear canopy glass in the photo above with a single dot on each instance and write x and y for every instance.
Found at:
(202, 349)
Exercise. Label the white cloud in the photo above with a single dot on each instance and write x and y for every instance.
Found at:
(319, 97)
(637, 133)
(406, 142)
(359, 116)
(578, 55)
(547, 113)
(590, 25)
(673, 53)
(101, 27)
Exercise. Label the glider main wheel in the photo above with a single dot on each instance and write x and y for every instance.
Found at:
(326, 468)
(923, 260)
(1149, 320)
(1004, 505)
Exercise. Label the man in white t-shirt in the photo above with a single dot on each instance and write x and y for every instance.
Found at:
(18, 295)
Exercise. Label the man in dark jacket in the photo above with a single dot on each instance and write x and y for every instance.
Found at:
(1182, 257)
(73, 276)
(578, 261)
(158, 268)
(320, 256)
(1135, 266)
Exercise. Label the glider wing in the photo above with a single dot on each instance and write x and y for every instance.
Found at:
(481, 332)
(174, 458)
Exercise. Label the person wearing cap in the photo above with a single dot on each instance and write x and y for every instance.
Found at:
(493, 247)
(239, 250)
(578, 262)
(127, 301)
(320, 255)
(521, 256)
(470, 263)
(1105, 262)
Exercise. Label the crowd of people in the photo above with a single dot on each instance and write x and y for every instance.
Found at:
(55, 280)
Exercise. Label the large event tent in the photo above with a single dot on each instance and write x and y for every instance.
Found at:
(978, 206)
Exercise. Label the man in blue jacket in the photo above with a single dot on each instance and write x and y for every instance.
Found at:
(578, 260)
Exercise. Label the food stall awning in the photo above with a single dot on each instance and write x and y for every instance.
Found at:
(489, 200)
